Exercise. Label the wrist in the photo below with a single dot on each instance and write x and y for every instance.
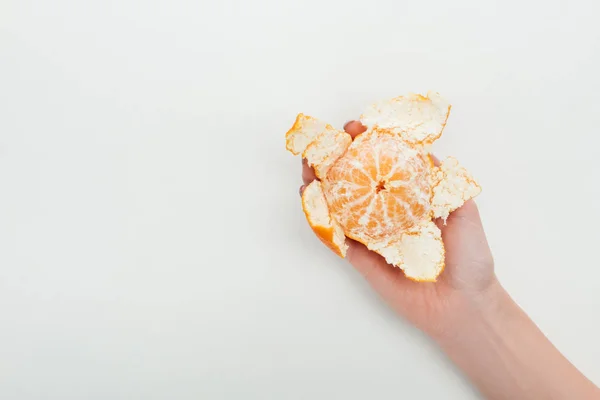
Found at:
(472, 313)
(504, 353)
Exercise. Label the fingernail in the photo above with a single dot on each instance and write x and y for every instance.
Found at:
(302, 189)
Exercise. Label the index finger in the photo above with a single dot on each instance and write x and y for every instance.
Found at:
(354, 128)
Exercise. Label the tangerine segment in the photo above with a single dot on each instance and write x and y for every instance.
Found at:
(303, 132)
(420, 253)
(317, 214)
(379, 187)
(452, 186)
(325, 149)
(418, 119)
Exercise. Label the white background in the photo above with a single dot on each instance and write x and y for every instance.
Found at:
(152, 244)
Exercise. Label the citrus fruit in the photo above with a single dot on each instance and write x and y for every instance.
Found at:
(382, 189)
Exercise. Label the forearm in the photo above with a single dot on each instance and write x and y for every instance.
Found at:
(507, 357)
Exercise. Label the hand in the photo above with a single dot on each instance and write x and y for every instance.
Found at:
(471, 316)
(466, 280)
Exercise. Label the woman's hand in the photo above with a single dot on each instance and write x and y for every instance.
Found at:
(471, 316)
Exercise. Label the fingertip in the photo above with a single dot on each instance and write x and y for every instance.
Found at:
(469, 207)
(440, 223)
(308, 172)
(467, 212)
(354, 128)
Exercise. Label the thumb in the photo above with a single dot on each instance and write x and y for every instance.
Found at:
(469, 262)
(463, 223)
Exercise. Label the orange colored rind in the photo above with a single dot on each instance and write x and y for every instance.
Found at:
(325, 149)
(319, 143)
(319, 219)
(382, 189)
(452, 187)
(418, 119)
(420, 252)
(303, 132)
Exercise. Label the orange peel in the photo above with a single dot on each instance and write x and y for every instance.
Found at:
(382, 189)
(319, 143)
(318, 216)
(418, 119)
(452, 186)
(419, 253)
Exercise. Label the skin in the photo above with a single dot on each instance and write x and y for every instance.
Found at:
(470, 315)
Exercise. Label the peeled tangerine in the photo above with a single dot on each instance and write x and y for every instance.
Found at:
(382, 189)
